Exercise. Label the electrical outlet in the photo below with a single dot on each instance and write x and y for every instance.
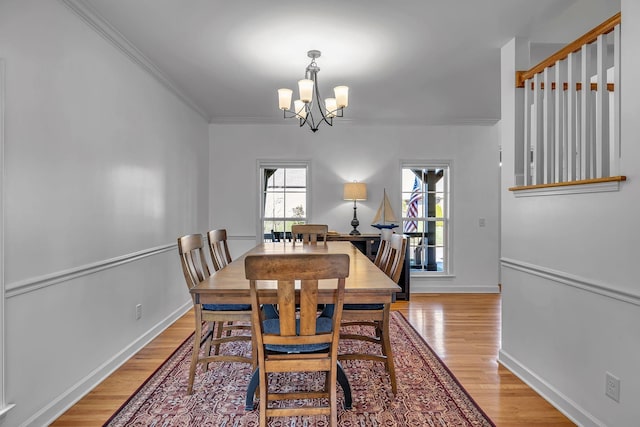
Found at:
(482, 222)
(138, 311)
(612, 387)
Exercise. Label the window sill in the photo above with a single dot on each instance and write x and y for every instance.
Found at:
(597, 185)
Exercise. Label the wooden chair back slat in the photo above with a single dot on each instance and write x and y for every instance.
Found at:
(308, 306)
(398, 248)
(382, 257)
(219, 248)
(287, 307)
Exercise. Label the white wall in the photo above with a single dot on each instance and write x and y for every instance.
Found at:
(571, 298)
(104, 168)
(372, 154)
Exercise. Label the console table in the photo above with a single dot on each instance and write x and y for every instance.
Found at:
(368, 244)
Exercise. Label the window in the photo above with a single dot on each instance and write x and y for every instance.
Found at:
(425, 216)
(284, 198)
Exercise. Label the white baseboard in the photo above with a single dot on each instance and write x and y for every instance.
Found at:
(426, 288)
(57, 407)
(562, 403)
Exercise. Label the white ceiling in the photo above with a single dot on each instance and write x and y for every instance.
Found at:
(405, 61)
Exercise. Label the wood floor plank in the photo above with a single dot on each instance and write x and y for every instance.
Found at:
(463, 329)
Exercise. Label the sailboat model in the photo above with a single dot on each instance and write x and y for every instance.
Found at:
(385, 214)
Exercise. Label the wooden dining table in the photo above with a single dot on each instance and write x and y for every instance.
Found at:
(366, 284)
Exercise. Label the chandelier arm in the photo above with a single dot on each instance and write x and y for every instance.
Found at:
(320, 106)
(305, 120)
(317, 90)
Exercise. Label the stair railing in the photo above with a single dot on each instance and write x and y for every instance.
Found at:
(571, 126)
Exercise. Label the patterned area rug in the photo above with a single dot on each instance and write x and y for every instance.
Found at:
(428, 393)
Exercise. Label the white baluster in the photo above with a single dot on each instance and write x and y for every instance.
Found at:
(572, 108)
(602, 110)
(549, 151)
(585, 137)
(614, 147)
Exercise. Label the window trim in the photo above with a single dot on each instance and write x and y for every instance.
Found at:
(449, 209)
(275, 163)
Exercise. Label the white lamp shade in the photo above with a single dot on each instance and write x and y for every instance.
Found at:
(355, 191)
(284, 98)
(331, 107)
(305, 86)
(299, 109)
(342, 96)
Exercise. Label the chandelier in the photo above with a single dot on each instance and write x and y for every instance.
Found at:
(305, 107)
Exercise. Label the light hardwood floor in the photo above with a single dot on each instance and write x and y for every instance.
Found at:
(463, 329)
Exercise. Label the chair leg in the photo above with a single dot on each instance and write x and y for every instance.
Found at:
(386, 349)
(263, 397)
(207, 341)
(196, 350)
(333, 398)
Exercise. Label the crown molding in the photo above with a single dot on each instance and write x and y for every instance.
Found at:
(246, 120)
(91, 17)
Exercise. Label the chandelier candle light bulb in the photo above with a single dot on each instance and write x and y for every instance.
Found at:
(284, 98)
(305, 86)
(305, 107)
(332, 107)
(342, 96)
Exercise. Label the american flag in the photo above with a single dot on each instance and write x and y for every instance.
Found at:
(412, 207)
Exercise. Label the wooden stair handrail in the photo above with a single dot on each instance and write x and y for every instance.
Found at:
(618, 178)
(605, 28)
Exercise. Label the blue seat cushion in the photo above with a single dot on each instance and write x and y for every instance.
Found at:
(226, 307)
(363, 306)
(272, 326)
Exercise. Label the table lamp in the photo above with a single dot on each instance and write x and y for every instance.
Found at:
(355, 191)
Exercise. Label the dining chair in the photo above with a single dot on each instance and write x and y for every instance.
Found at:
(280, 236)
(220, 258)
(382, 256)
(298, 340)
(377, 315)
(310, 233)
(195, 269)
(218, 248)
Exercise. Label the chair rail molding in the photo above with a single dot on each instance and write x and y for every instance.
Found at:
(4, 408)
(567, 279)
(34, 283)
